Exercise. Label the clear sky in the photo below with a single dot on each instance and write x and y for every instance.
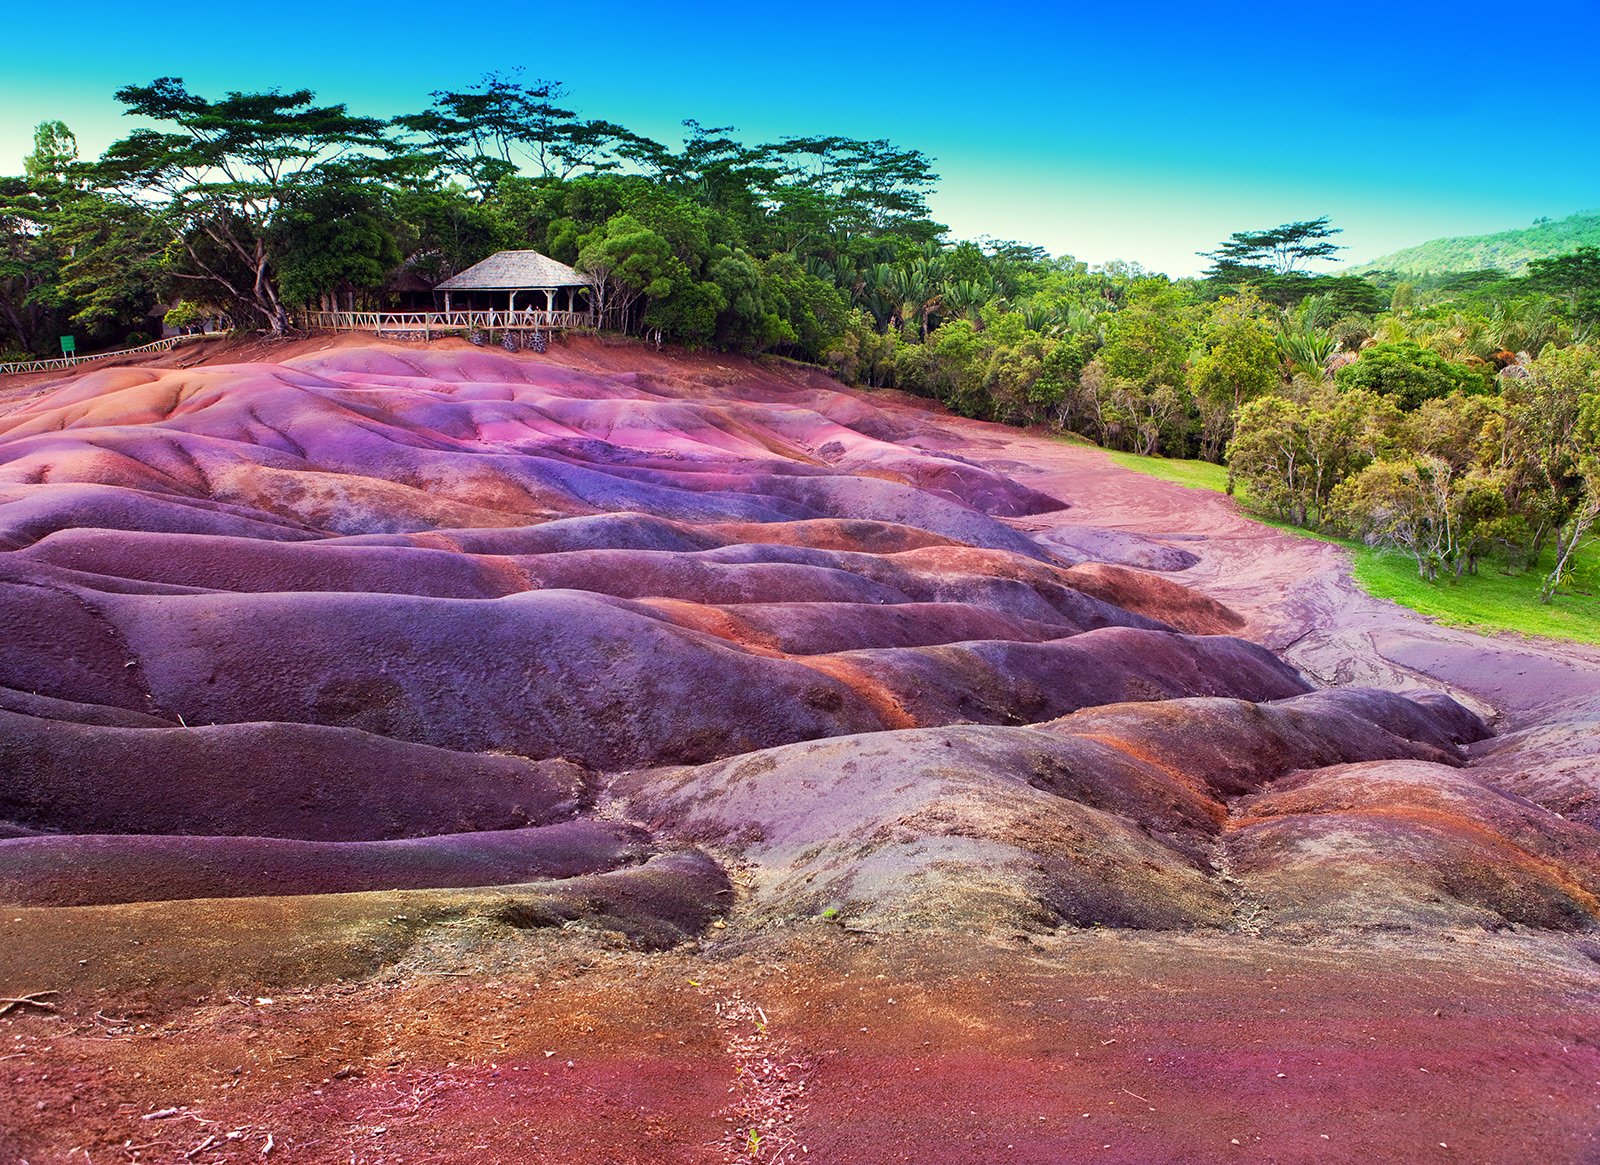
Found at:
(1106, 131)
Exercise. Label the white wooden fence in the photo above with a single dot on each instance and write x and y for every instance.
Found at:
(378, 322)
(429, 322)
(22, 366)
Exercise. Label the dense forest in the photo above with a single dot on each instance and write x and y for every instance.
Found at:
(1454, 417)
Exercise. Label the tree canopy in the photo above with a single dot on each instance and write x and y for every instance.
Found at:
(1446, 416)
(219, 176)
(1279, 250)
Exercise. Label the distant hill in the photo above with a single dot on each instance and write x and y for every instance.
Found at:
(1507, 250)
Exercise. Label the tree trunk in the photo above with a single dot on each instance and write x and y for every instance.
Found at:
(1566, 544)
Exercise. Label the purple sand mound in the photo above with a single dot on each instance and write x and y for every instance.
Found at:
(1408, 845)
(262, 624)
(1117, 816)
(89, 870)
(271, 780)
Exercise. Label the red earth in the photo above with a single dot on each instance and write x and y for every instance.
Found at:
(417, 753)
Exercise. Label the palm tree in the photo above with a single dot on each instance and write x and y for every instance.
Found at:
(915, 287)
(1048, 318)
(843, 273)
(965, 298)
(877, 294)
(1523, 326)
(1305, 350)
(1463, 337)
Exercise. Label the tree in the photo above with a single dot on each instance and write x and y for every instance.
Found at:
(870, 186)
(1523, 325)
(1409, 505)
(914, 288)
(1466, 433)
(1137, 378)
(1347, 295)
(714, 168)
(1237, 362)
(812, 310)
(1019, 384)
(333, 237)
(1409, 374)
(111, 273)
(441, 230)
(747, 322)
(220, 178)
(1304, 350)
(502, 126)
(1553, 438)
(1280, 250)
(1575, 277)
(625, 261)
(28, 266)
(1585, 513)
(1290, 457)
(54, 156)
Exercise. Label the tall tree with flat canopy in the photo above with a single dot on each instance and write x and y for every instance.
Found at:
(504, 126)
(222, 174)
(1282, 250)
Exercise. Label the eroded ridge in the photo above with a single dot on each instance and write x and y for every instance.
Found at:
(370, 620)
(505, 711)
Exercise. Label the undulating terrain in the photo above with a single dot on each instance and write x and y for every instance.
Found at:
(423, 753)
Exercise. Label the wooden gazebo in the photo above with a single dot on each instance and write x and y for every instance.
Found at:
(496, 283)
(511, 291)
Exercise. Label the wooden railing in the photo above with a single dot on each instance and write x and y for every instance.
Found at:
(22, 366)
(429, 322)
(380, 322)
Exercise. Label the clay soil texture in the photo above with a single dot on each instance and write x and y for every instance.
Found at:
(419, 753)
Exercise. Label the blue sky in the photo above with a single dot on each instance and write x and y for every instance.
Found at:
(1105, 131)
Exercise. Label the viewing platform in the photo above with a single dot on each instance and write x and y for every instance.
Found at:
(483, 299)
(429, 323)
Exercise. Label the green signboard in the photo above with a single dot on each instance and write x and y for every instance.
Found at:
(69, 345)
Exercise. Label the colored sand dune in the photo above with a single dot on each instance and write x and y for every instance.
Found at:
(444, 660)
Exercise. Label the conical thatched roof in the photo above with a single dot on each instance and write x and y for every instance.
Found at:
(514, 271)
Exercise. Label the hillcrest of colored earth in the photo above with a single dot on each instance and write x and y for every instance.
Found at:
(419, 752)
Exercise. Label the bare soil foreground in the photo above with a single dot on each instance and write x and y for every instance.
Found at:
(427, 754)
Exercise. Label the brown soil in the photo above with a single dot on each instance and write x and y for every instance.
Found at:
(581, 1026)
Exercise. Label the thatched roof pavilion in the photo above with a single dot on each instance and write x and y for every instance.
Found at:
(496, 283)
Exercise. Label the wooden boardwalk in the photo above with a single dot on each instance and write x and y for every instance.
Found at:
(425, 324)
(20, 367)
(445, 322)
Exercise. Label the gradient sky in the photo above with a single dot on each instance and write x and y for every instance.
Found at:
(1105, 131)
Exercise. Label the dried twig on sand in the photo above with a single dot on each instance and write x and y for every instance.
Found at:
(31, 999)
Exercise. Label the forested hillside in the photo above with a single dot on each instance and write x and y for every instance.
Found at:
(1455, 417)
(1508, 251)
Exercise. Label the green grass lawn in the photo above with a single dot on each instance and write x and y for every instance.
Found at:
(1196, 474)
(1491, 600)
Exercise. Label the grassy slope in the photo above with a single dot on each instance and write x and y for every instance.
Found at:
(1195, 474)
(1490, 601)
(1507, 250)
